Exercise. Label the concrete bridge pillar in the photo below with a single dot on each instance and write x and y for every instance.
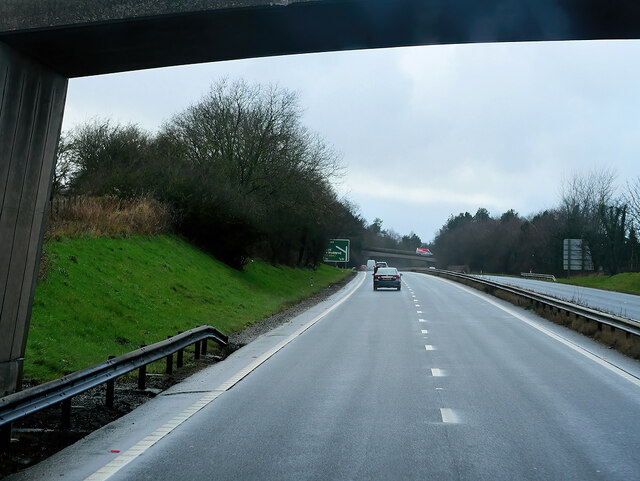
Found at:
(32, 99)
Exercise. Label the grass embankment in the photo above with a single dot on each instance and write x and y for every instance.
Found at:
(628, 282)
(105, 296)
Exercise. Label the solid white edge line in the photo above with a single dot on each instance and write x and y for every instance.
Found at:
(139, 448)
(620, 372)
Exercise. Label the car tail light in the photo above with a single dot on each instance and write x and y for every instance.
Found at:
(396, 277)
(377, 276)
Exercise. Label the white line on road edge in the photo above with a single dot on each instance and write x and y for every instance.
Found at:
(424, 331)
(132, 453)
(429, 347)
(435, 372)
(620, 372)
(421, 320)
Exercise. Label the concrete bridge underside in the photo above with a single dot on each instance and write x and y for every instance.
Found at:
(79, 37)
(43, 43)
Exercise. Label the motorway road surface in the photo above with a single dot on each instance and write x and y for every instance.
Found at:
(626, 305)
(436, 381)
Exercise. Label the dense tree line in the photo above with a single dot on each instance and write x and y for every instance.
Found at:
(247, 179)
(512, 244)
(245, 176)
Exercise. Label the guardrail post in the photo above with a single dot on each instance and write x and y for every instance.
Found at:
(142, 374)
(142, 377)
(66, 414)
(169, 369)
(197, 350)
(5, 435)
(111, 389)
(180, 356)
(204, 347)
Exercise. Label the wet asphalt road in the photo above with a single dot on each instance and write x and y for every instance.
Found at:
(370, 392)
(436, 381)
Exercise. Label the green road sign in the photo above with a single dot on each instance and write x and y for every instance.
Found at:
(338, 251)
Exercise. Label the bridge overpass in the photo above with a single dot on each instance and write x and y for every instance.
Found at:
(398, 258)
(43, 43)
(82, 37)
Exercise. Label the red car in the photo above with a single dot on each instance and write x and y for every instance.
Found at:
(423, 251)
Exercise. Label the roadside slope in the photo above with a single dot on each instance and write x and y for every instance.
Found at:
(628, 282)
(107, 296)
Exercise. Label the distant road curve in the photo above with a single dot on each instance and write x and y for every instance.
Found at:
(626, 305)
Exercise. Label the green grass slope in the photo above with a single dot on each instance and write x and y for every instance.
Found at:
(105, 296)
(628, 282)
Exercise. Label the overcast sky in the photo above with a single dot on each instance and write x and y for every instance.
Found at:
(426, 132)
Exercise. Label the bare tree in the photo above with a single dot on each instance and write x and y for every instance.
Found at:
(586, 191)
(632, 199)
(581, 198)
(65, 167)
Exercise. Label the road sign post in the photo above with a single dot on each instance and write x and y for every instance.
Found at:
(337, 251)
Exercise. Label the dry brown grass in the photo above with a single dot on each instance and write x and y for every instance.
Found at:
(108, 216)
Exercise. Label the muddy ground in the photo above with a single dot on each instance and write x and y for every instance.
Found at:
(38, 436)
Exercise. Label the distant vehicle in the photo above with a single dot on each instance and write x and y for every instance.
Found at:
(362, 268)
(371, 263)
(386, 277)
(381, 264)
(423, 251)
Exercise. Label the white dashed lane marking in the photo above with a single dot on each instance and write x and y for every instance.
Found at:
(613, 368)
(448, 416)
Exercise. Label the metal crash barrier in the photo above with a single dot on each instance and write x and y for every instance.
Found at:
(29, 401)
